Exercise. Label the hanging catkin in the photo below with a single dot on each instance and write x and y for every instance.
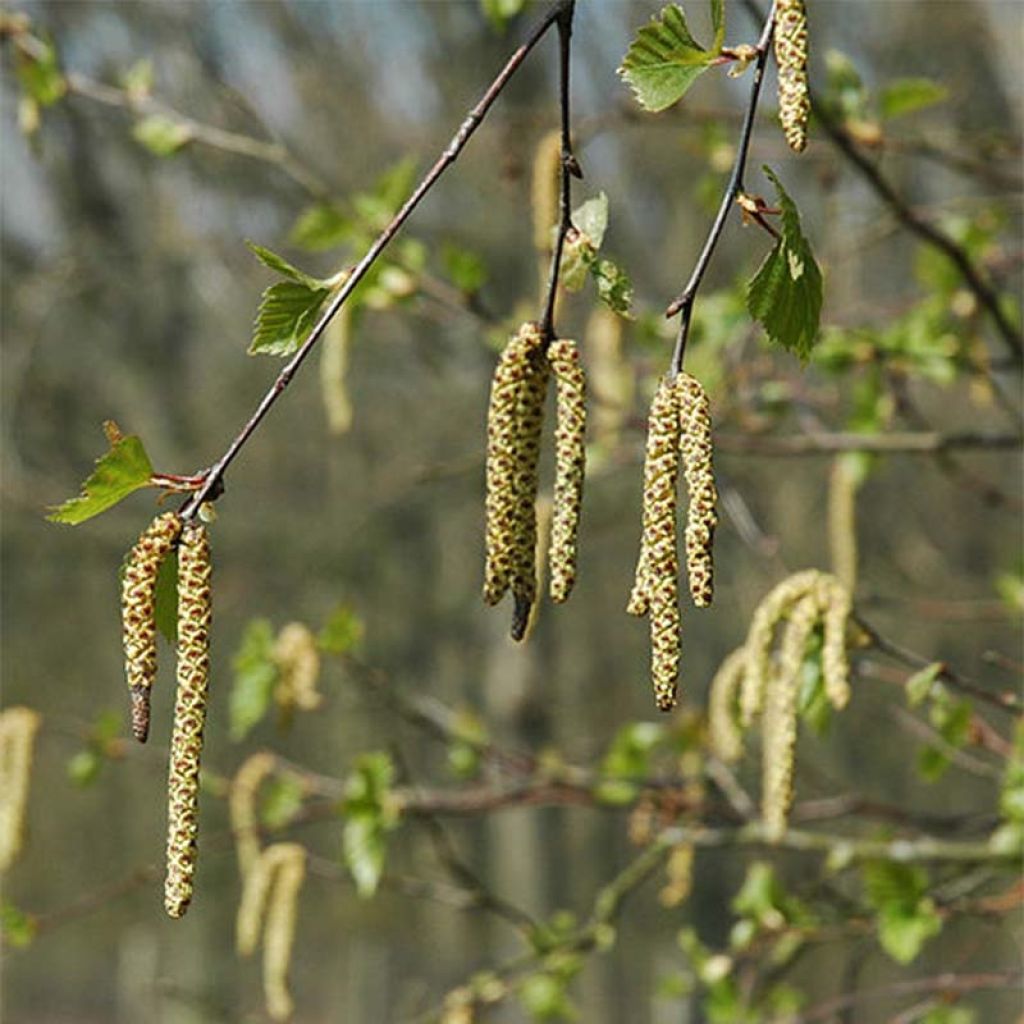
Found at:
(570, 463)
(271, 889)
(298, 664)
(18, 726)
(194, 607)
(779, 723)
(138, 614)
(836, 605)
(791, 57)
(514, 421)
(701, 516)
(242, 807)
(656, 584)
(724, 736)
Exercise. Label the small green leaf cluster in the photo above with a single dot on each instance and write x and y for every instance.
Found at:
(16, 926)
(905, 915)
(664, 59)
(103, 743)
(786, 292)
(500, 12)
(580, 258)
(768, 915)
(1009, 837)
(371, 812)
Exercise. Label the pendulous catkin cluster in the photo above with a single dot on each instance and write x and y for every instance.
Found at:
(515, 419)
(194, 612)
(18, 726)
(242, 807)
(701, 515)
(791, 57)
(298, 662)
(678, 431)
(766, 672)
(271, 891)
(138, 614)
(570, 464)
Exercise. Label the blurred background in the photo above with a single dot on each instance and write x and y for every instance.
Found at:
(127, 294)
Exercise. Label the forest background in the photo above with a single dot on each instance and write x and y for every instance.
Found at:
(128, 295)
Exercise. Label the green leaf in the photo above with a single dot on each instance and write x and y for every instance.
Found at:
(342, 632)
(287, 313)
(39, 73)
(286, 269)
(785, 293)
(906, 916)
(919, 685)
(84, 767)
(629, 756)
(718, 23)
(321, 226)
(544, 997)
(370, 813)
(760, 897)
(948, 1015)
(165, 598)
(390, 190)
(124, 469)
(137, 80)
(500, 12)
(908, 95)
(17, 927)
(464, 268)
(664, 59)
(614, 287)
(162, 136)
(591, 219)
(255, 675)
(280, 801)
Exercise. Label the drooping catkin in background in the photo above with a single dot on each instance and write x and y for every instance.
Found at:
(138, 614)
(761, 634)
(724, 736)
(656, 583)
(514, 422)
(791, 58)
(298, 663)
(271, 889)
(842, 521)
(18, 726)
(610, 376)
(701, 515)
(570, 464)
(779, 723)
(679, 872)
(544, 190)
(836, 604)
(334, 355)
(194, 612)
(242, 807)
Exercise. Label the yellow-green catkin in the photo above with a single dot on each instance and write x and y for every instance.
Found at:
(791, 57)
(194, 613)
(836, 605)
(701, 516)
(242, 807)
(298, 663)
(570, 464)
(758, 645)
(842, 521)
(514, 422)
(679, 872)
(779, 724)
(18, 726)
(138, 614)
(544, 187)
(724, 735)
(656, 584)
(271, 890)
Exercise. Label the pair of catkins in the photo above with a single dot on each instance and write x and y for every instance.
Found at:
(138, 609)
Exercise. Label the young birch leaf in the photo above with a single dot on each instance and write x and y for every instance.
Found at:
(125, 468)
(718, 23)
(284, 268)
(321, 226)
(664, 59)
(287, 311)
(162, 136)
(614, 287)
(785, 293)
(908, 95)
(579, 254)
(40, 75)
(255, 675)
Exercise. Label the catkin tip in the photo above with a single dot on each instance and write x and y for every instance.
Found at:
(139, 712)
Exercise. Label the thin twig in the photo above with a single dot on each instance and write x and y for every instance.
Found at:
(683, 303)
(905, 443)
(215, 475)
